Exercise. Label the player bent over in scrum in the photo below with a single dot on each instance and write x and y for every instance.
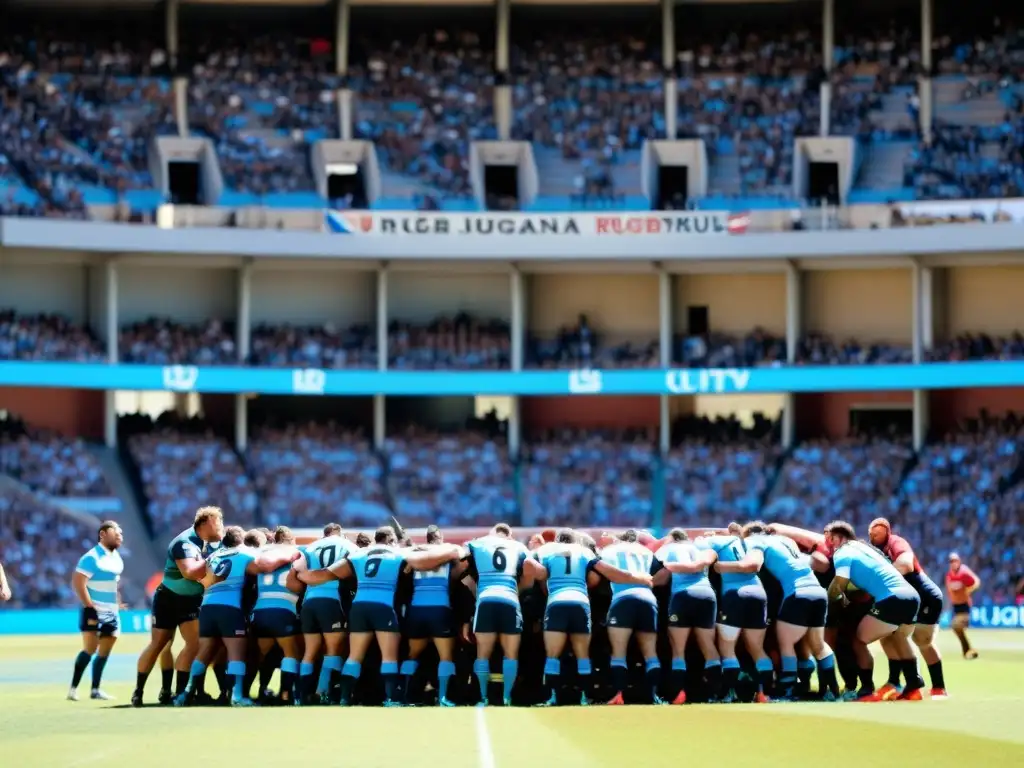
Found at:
(802, 612)
(323, 616)
(569, 568)
(692, 608)
(95, 584)
(376, 570)
(275, 618)
(221, 619)
(633, 610)
(896, 603)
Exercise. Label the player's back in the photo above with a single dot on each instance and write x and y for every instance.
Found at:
(229, 565)
(783, 560)
(730, 549)
(377, 570)
(567, 566)
(635, 558)
(868, 569)
(431, 588)
(683, 552)
(324, 553)
(498, 563)
(185, 546)
(272, 591)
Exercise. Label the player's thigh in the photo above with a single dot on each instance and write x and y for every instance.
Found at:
(388, 642)
(753, 640)
(814, 641)
(648, 642)
(678, 637)
(237, 648)
(334, 642)
(266, 645)
(789, 635)
(726, 639)
(554, 643)
(358, 645)
(924, 635)
(312, 647)
(291, 646)
(445, 648)
(417, 645)
(871, 629)
(105, 644)
(706, 642)
(618, 639)
(189, 631)
(209, 647)
(90, 641)
(485, 642)
(580, 645)
(510, 644)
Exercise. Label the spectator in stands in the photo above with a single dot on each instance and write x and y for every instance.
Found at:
(820, 349)
(461, 341)
(322, 346)
(46, 337)
(46, 462)
(580, 346)
(162, 341)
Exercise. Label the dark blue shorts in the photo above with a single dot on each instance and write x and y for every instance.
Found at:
(805, 608)
(498, 617)
(567, 617)
(106, 624)
(744, 608)
(171, 609)
(423, 622)
(693, 608)
(633, 613)
(275, 622)
(372, 617)
(322, 616)
(221, 621)
(931, 597)
(897, 609)
(961, 608)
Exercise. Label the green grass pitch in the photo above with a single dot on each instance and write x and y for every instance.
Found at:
(981, 725)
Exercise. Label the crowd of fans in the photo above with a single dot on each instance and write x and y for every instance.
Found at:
(581, 346)
(46, 337)
(314, 346)
(161, 341)
(462, 341)
(45, 461)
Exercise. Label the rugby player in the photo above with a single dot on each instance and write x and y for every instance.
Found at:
(803, 609)
(95, 584)
(496, 564)
(5, 588)
(569, 568)
(895, 602)
(633, 610)
(899, 551)
(692, 608)
(742, 608)
(177, 599)
(376, 570)
(961, 583)
(429, 620)
(323, 616)
(276, 621)
(221, 618)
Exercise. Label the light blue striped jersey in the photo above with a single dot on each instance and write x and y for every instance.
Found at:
(228, 565)
(103, 569)
(683, 552)
(430, 588)
(328, 551)
(498, 563)
(869, 570)
(377, 569)
(784, 561)
(272, 591)
(635, 558)
(730, 549)
(568, 566)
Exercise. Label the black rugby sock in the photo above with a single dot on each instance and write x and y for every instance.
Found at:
(220, 671)
(895, 668)
(81, 662)
(267, 668)
(97, 670)
(935, 673)
(181, 681)
(867, 681)
(912, 675)
(140, 681)
(166, 679)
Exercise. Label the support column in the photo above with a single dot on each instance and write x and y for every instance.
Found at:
(171, 29)
(343, 95)
(668, 64)
(379, 415)
(517, 297)
(828, 56)
(927, 308)
(112, 328)
(915, 313)
(243, 336)
(923, 327)
(794, 329)
(503, 90)
(925, 91)
(921, 418)
(666, 313)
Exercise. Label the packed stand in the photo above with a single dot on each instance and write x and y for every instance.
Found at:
(57, 466)
(580, 346)
(721, 350)
(422, 97)
(970, 161)
(162, 341)
(46, 337)
(857, 479)
(964, 495)
(184, 466)
(460, 342)
(458, 479)
(718, 470)
(585, 479)
(312, 474)
(81, 107)
(316, 346)
(979, 346)
(263, 99)
(822, 349)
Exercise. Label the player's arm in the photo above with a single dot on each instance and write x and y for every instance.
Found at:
(5, 588)
(271, 559)
(540, 571)
(977, 581)
(79, 581)
(902, 556)
(750, 563)
(340, 571)
(705, 559)
(837, 589)
(820, 562)
(432, 557)
(801, 536)
(618, 576)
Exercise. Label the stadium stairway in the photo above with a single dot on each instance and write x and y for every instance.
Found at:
(883, 165)
(147, 557)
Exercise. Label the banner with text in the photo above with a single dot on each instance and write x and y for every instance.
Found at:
(681, 223)
(686, 381)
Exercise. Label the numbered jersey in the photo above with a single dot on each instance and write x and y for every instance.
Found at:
(272, 591)
(730, 549)
(229, 566)
(323, 554)
(784, 561)
(377, 570)
(498, 564)
(869, 570)
(683, 552)
(567, 566)
(430, 588)
(635, 558)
